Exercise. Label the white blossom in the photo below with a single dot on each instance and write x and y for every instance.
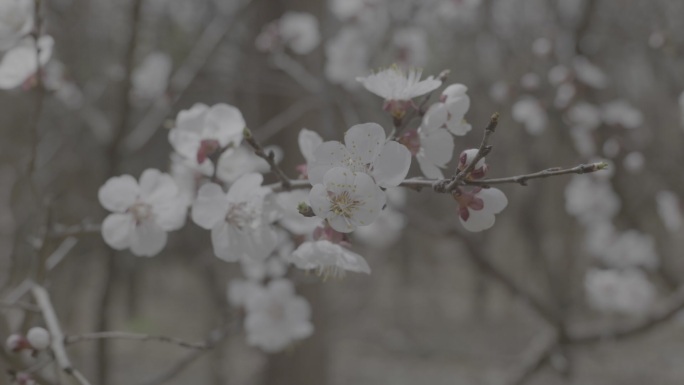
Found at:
(238, 161)
(411, 45)
(328, 259)
(347, 57)
(530, 113)
(477, 208)
(631, 249)
(299, 31)
(398, 88)
(142, 212)
(276, 316)
(620, 112)
(366, 150)
(16, 21)
(346, 199)
(590, 199)
(450, 112)
(585, 115)
(201, 130)
(669, 210)
(308, 141)
(588, 73)
(619, 291)
(432, 147)
(240, 291)
(238, 224)
(21, 62)
(634, 161)
(151, 77)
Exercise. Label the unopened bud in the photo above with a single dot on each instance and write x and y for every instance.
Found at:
(39, 338)
(305, 210)
(17, 342)
(467, 157)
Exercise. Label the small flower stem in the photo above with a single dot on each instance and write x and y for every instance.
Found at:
(285, 182)
(482, 151)
(401, 124)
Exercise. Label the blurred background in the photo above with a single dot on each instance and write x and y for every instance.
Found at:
(578, 282)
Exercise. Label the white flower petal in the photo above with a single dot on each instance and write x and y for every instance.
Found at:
(246, 187)
(438, 146)
(117, 229)
(226, 242)
(118, 193)
(157, 187)
(308, 141)
(494, 200)
(365, 141)
(148, 239)
(210, 207)
(435, 117)
(326, 156)
(478, 220)
(320, 202)
(428, 168)
(225, 124)
(392, 165)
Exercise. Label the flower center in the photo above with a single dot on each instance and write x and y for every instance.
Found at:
(141, 211)
(242, 215)
(343, 204)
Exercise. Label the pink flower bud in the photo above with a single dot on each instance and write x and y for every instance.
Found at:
(206, 149)
(16, 343)
(466, 158)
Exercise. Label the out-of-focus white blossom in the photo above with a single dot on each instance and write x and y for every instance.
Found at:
(530, 81)
(16, 21)
(591, 200)
(542, 46)
(634, 161)
(276, 317)
(240, 290)
(499, 91)
(308, 141)
(588, 73)
(202, 130)
(151, 77)
(558, 74)
(611, 147)
(364, 150)
(21, 62)
(669, 210)
(530, 113)
(346, 199)
(385, 231)
(620, 112)
(585, 115)
(328, 259)
(239, 226)
(564, 95)
(296, 30)
(347, 57)
(142, 212)
(619, 291)
(630, 249)
(478, 207)
(412, 47)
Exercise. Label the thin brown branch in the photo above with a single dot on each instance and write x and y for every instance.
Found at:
(72, 339)
(540, 351)
(215, 337)
(482, 151)
(285, 182)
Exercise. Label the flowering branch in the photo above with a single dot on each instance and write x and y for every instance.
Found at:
(72, 339)
(269, 157)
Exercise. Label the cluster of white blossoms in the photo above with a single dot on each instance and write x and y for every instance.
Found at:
(21, 54)
(217, 176)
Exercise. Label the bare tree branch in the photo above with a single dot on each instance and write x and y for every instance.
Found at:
(72, 339)
(269, 157)
(56, 335)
